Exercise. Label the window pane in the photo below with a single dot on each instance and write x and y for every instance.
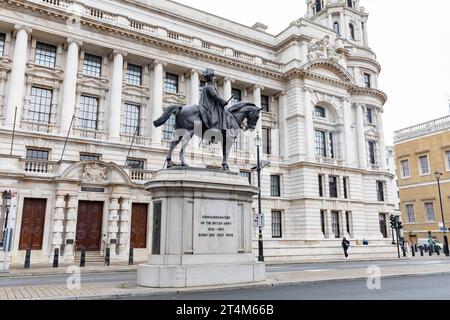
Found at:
(135, 164)
(369, 115)
(237, 96)
(367, 80)
(336, 28)
(276, 224)
(380, 191)
(131, 117)
(333, 187)
(429, 208)
(169, 128)
(36, 154)
(410, 213)
(134, 75)
(266, 143)
(40, 105)
(45, 55)
(383, 224)
(335, 224)
(405, 168)
(89, 157)
(88, 112)
(346, 184)
(424, 165)
(275, 190)
(319, 112)
(320, 185)
(348, 215)
(372, 152)
(322, 221)
(171, 83)
(265, 103)
(2, 44)
(321, 150)
(92, 65)
(247, 175)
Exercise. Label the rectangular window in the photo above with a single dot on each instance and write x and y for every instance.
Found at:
(275, 186)
(346, 185)
(410, 213)
(367, 80)
(276, 224)
(171, 83)
(321, 185)
(237, 96)
(424, 165)
(45, 55)
(88, 112)
(322, 221)
(447, 159)
(348, 217)
(321, 149)
(372, 158)
(266, 142)
(89, 157)
(380, 191)
(135, 164)
(92, 65)
(36, 154)
(429, 211)
(369, 115)
(2, 44)
(265, 103)
(133, 75)
(247, 175)
(169, 128)
(131, 118)
(40, 105)
(331, 141)
(383, 224)
(405, 168)
(335, 224)
(333, 184)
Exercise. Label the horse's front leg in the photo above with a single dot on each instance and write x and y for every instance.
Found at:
(173, 144)
(227, 144)
(184, 143)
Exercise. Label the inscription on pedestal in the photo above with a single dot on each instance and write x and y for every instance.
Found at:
(216, 227)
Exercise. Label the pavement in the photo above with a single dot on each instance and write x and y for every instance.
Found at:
(119, 282)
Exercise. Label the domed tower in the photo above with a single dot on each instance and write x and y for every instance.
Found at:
(346, 17)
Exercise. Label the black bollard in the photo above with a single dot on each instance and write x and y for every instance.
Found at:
(56, 258)
(83, 258)
(27, 259)
(413, 251)
(107, 255)
(421, 251)
(415, 246)
(130, 257)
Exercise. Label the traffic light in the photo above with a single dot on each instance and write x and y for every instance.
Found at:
(399, 225)
(393, 222)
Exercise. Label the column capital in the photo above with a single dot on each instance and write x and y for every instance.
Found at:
(194, 70)
(19, 27)
(280, 94)
(157, 62)
(78, 42)
(229, 79)
(258, 86)
(123, 53)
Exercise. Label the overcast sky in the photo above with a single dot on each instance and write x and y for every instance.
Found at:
(410, 37)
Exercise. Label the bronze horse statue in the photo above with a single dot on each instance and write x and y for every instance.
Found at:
(188, 122)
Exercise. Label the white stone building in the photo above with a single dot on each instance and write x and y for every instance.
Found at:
(112, 66)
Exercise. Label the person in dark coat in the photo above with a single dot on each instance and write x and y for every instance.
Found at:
(345, 246)
(211, 104)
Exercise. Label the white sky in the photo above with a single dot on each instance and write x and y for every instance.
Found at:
(410, 37)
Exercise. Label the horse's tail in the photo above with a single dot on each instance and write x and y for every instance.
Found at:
(170, 110)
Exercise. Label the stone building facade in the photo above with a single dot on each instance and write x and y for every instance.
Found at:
(99, 72)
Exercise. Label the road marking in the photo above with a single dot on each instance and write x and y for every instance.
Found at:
(320, 270)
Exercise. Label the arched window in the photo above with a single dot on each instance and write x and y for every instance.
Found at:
(350, 3)
(320, 112)
(352, 31)
(337, 28)
(318, 6)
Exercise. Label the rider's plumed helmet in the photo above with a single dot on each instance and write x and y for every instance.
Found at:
(209, 74)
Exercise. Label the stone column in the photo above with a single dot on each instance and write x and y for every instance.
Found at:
(381, 142)
(69, 85)
(347, 132)
(361, 136)
(124, 234)
(17, 78)
(284, 152)
(343, 26)
(365, 34)
(58, 223)
(195, 87)
(157, 93)
(116, 96)
(113, 227)
(330, 21)
(71, 228)
(309, 126)
(227, 88)
(257, 102)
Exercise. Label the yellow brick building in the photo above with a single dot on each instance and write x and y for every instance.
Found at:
(420, 151)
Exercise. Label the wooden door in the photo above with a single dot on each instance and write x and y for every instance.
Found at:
(89, 225)
(138, 236)
(33, 219)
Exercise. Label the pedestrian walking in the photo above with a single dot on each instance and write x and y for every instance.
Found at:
(345, 246)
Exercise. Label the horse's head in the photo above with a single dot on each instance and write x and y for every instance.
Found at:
(253, 116)
(248, 112)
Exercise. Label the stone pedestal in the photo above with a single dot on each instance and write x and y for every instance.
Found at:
(202, 230)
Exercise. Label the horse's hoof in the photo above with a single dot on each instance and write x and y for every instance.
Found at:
(169, 164)
(226, 168)
(184, 164)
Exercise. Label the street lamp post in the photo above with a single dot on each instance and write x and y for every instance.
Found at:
(438, 178)
(258, 143)
(7, 236)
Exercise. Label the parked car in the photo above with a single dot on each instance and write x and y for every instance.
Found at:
(424, 242)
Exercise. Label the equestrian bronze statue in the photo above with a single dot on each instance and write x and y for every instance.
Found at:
(211, 121)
